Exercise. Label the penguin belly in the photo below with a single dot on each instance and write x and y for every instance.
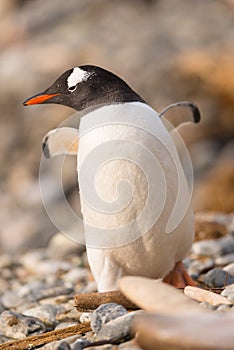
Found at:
(134, 195)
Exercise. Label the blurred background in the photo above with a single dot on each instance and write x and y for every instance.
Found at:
(167, 50)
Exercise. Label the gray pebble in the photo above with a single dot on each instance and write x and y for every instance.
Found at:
(46, 313)
(10, 299)
(104, 314)
(218, 278)
(228, 291)
(119, 329)
(207, 248)
(54, 345)
(76, 274)
(208, 306)
(17, 326)
(63, 346)
(36, 291)
(224, 260)
(223, 307)
(79, 344)
(214, 247)
(198, 266)
(229, 268)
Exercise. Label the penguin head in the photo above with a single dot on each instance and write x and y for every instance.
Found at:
(86, 86)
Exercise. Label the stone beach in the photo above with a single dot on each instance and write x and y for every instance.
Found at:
(33, 302)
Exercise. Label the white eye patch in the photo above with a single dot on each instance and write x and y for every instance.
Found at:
(77, 76)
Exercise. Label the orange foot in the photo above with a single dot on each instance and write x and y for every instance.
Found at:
(179, 277)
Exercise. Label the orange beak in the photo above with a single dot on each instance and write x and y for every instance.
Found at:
(37, 99)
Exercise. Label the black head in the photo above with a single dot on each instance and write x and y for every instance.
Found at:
(86, 86)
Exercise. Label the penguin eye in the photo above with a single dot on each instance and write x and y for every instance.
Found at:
(72, 88)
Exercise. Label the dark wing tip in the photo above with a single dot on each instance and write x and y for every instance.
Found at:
(45, 148)
(195, 110)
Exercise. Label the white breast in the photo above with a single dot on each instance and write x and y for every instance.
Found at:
(134, 195)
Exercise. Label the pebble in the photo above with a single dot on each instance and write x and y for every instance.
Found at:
(223, 307)
(229, 293)
(63, 346)
(75, 275)
(228, 290)
(79, 344)
(224, 260)
(207, 306)
(85, 317)
(65, 325)
(104, 314)
(218, 278)
(214, 247)
(69, 314)
(56, 345)
(36, 291)
(10, 299)
(199, 265)
(119, 329)
(229, 268)
(46, 313)
(17, 326)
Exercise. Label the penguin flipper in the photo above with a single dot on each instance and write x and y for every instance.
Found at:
(60, 141)
(178, 118)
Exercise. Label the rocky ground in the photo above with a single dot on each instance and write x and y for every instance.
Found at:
(38, 289)
(167, 51)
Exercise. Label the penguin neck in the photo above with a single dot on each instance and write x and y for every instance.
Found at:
(90, 109)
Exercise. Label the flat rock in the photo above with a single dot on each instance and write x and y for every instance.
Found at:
(104, 314)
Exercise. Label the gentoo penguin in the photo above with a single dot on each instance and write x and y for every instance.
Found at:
(135, 199)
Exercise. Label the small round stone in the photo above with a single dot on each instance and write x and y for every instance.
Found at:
(104, 314)
(218, 278)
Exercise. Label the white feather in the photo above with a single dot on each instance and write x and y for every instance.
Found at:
(154, 253)
(77, 76)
